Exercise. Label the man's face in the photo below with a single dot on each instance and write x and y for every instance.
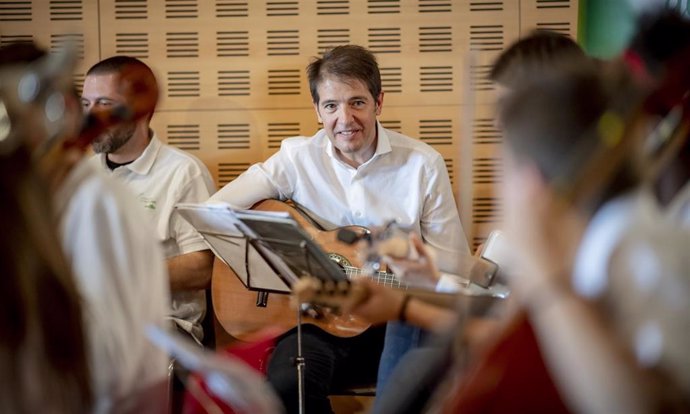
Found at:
(512, 187)
(348, 112)
(101, 93)
(501, 93)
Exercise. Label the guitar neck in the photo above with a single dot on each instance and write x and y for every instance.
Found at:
(381, 278)
(444, 300)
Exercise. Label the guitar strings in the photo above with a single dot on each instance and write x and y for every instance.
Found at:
(384, 278)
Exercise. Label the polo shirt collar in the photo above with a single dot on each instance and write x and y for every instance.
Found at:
(144, 163)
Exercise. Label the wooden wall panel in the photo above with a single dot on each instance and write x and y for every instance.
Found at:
(52, 22)
(232, 71)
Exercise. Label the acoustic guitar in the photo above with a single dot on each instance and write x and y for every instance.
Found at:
(240, 312)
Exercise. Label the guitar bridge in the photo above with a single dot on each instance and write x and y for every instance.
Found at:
(261, 299)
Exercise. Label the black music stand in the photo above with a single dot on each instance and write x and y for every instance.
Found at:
(293, 254)
(280, 241)
(216, 224)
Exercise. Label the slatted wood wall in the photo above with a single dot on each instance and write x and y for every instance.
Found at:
(232, 71)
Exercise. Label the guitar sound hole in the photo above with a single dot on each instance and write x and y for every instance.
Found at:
(340, 260)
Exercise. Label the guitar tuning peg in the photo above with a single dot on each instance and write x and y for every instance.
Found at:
(311, 311)
(343, 287)
(349, 236)
(329, 287)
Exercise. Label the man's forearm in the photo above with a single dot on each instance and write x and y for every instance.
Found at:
(191, 271)
(428, 316)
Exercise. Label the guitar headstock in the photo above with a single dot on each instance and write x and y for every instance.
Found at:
(39, 105)
(341, 295)
(40, 110)
(33, 98)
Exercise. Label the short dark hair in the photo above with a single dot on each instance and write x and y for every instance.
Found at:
(563, 120)
(527, 57)
(662, 46)
(345, 62)
(116, 64)
(136, 76)
(661, 36)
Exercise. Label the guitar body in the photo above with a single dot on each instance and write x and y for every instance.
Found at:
(236, 307)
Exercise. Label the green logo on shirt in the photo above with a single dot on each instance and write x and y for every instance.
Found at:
(148, 203)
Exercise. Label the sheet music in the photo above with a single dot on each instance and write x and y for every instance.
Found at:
(287, 246)
(217, 224)
(275, 240)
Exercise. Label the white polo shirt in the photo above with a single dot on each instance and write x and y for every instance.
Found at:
(160, 178)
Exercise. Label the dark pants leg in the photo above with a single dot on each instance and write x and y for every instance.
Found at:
(329, 362)
(179, 374)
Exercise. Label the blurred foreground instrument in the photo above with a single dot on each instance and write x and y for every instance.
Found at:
(227, 378)
(39, 104)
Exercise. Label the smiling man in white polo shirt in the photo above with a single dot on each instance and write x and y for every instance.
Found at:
(160, 176)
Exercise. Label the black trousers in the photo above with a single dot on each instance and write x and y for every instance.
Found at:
(330, 363)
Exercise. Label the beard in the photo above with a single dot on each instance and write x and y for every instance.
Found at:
(112, 140)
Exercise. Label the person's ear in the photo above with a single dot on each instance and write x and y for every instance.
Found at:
(378, 104)
(316, 109)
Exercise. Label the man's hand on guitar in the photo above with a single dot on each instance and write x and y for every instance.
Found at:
(417, 267)
(380, 305)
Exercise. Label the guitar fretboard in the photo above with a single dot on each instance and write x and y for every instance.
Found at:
(381, 278)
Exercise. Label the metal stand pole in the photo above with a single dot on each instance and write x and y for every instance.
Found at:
(299, 361)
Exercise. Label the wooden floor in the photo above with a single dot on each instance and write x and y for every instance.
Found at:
(345, 404)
